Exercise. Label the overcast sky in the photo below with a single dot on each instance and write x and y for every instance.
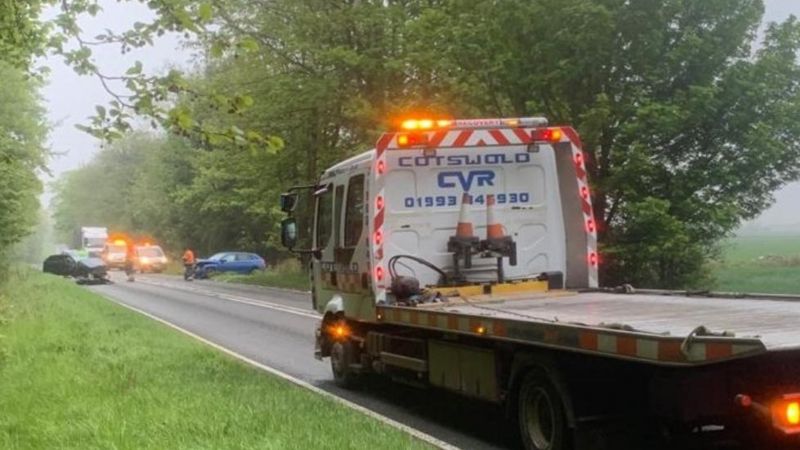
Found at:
(71, 98)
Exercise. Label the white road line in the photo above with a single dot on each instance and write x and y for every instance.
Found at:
(285, 376)
(240, 299)
(275, 306)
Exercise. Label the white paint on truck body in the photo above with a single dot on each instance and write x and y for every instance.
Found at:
(423, 200)
(401, 199)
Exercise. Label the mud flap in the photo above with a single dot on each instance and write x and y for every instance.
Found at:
(318, 343)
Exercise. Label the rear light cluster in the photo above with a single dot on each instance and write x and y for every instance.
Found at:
(412, 139)
(786, 413)
(547, 135)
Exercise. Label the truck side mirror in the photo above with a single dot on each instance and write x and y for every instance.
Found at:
(289, 232)
(288, 201)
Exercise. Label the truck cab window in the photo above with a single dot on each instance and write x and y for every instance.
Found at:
(337, 214)
(354, 212)
(324, 218)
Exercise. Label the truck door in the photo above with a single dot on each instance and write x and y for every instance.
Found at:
(339, 229)
(352, 222)
(322, 256)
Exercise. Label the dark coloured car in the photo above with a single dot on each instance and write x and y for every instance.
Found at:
(63, 265)
(84, 270)
(235, 262)
(91, 271)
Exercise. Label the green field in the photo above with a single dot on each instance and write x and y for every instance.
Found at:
(765, 264)
(77, 371)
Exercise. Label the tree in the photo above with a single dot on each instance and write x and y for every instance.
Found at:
(687, 128)
(680, 118)
(22, 155)
(22, 35)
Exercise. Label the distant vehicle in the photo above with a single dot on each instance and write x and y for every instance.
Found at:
(115, 254)
(91, 270)
(238, 262)
(85, 270)
(150, 258)
(62, 265)
(91, 239)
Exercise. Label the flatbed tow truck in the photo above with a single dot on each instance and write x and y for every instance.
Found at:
(408, 289)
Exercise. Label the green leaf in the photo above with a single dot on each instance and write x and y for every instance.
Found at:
(205, 12)
(135, 69)
(249, 44)
(216, 49)
(184, 120)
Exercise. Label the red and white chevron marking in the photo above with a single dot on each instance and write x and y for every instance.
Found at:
(652, 348)
(378, 218)
(590, 225)
(468, 138)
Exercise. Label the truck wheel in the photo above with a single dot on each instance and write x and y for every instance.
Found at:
(542, 422)
(342, 355)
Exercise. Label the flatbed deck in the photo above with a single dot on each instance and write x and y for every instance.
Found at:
(657, 328)
(775, 322)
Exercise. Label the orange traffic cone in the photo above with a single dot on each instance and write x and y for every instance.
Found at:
(493, 228)
(464, 243)
(464, 228)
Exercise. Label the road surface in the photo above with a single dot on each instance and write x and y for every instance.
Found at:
(276, 328)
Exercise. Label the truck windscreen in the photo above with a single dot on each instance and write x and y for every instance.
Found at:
(150, 252)
(94, 242)
(117, 249)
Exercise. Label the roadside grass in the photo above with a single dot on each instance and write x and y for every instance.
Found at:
(286, 274)
(77, 371)
(762, 264)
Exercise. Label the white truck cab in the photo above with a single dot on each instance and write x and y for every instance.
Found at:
(93, 240)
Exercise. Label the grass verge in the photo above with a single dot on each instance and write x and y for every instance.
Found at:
(77, 371)
(286, 274)
(763, 264)
(297, 281)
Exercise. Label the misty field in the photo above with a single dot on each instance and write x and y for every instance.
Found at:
(765, 264)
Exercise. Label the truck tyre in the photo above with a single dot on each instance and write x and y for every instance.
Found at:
(342, 355)
(542, 421)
